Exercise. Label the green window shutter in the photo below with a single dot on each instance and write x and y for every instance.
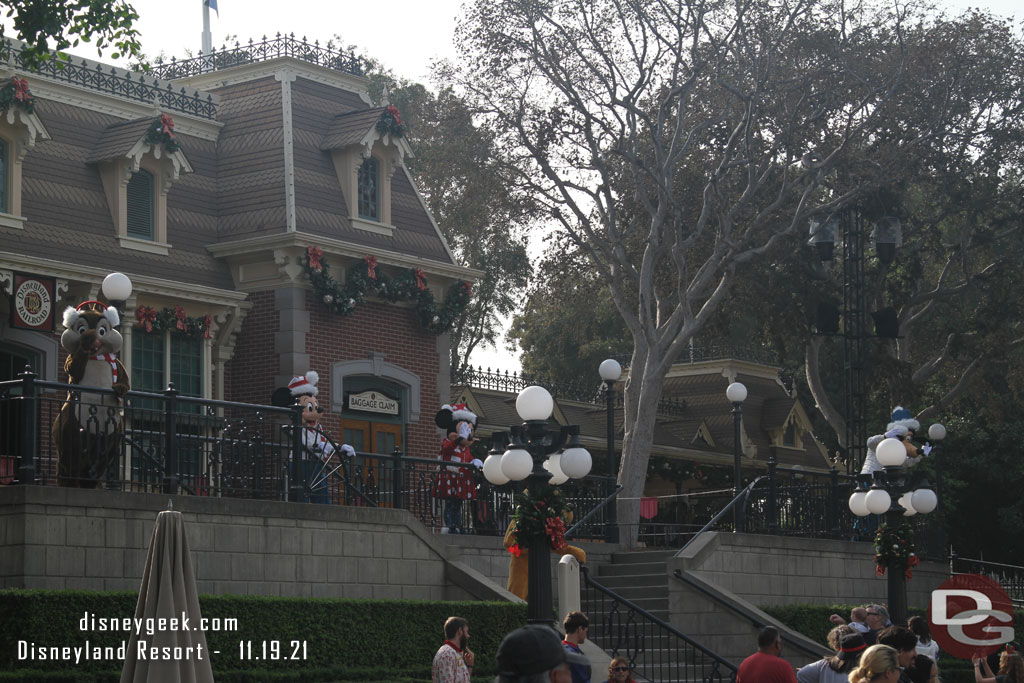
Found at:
(4, 156)
(369, 190)
(140, 205)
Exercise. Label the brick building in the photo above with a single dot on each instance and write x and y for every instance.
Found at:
(275, 149)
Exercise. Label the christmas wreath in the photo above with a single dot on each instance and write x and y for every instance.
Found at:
(894, 549)
(15, 92)
(150, 320)
(390, 122)
(539, 514)
(161, 132)
(364, 279)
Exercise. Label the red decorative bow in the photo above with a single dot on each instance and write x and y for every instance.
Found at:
(146, 317)
(179, 314)
(468, 286)
(314, 254)
(371, 265)
(515, 549)
(20, 89)
(207, 323)
(912, 562)
(393, 111)
(554, 527)
(167, 125)
(421, 279)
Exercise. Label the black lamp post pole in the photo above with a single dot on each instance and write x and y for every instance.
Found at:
(737, 452)
(539, 599)
(895, 483)
(612, 531)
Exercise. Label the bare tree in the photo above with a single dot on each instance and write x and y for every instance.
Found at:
(676, 142)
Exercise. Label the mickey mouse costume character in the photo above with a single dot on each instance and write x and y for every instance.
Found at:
(455, 484)
(315, 472)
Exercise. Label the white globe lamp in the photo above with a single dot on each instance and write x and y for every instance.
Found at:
(516, 464)
(858, 505)
(117, 287)
(492, 471)
(534, 403)
(877, 501)
(891, 453)
(736, 392)
(925, 501)
(907, 504)
(575, 462)
(552, 465)
(937, 432)
(610, 370)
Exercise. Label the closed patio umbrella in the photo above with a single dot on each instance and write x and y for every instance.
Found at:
(176, 653)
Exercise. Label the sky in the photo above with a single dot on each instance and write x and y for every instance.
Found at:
(405, 35)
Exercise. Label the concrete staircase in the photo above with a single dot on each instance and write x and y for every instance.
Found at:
(640, 576)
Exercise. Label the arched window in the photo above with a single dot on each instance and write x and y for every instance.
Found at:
(369, 190)
(140, 205)
(4, 156)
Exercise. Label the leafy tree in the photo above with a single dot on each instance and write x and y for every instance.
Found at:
(457, 168)
(65, 23)
(675, 144)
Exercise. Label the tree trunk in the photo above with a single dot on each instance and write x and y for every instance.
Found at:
(641, 414)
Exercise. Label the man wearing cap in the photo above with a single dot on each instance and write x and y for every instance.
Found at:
(766, 665)
(576, 626)
(534, 654)
(453, 662)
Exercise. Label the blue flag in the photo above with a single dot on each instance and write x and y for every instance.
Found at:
(213, 5)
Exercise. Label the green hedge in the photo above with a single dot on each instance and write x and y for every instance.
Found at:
(812, 621)
(345, 639)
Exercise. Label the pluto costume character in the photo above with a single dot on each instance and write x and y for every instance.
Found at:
(88, 432)
(455, 484)
(315, 466)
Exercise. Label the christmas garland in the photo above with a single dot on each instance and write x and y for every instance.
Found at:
(390, 122)
(161, 132)
(363, 279)
(15, 92)
(150, 320)
(894, 549)
(539, 515)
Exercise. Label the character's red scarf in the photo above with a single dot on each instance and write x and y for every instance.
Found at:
(110, 358)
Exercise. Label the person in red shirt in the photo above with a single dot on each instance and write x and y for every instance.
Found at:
(765, 665)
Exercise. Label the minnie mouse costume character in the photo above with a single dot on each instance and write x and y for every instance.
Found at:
(455, 484)
(314, 472)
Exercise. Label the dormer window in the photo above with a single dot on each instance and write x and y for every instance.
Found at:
(369, 190)
(20, 128)
(140, 205)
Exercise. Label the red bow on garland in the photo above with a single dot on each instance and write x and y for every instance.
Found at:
(146, 316)
(179, 314)
(393, 110)
(468, 286)
(912, 562)
(421, 279)
(167, 125)
(314, 254)
(515, 549)
(371, 265)
(20, 89)
(554, 527)
(207, 322)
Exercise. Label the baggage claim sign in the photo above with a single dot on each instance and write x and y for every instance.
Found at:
(373, 402)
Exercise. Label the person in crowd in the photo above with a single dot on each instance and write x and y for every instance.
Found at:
(766, 665)
(878, 664)
(618, 671)
(857, 617)
(837, 668)
(453, 662)
(916, 668)
(533, 654)
(1011, 668)
(925, 644)
(576, 625)
(876, 617)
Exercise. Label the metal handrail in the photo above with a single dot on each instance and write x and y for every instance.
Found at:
(742, 494)
(742, 612)
(718, 659)
(571, 530)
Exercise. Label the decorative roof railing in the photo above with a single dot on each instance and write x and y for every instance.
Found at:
(699, 354)
(515, 382)
(268, 48)
(112, 81)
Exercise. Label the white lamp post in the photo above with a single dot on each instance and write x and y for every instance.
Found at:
(610, 371)
(737, 394)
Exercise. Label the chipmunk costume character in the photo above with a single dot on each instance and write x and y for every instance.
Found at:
(88, 431)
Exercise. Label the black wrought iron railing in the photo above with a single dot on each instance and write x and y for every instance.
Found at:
(112, 81)
(655, 649)
(258, 51)
(169, 443)
(1009, 576)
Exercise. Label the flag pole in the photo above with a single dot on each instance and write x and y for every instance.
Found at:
(207, 36)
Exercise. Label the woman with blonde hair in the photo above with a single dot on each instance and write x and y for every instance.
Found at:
(878, 664)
